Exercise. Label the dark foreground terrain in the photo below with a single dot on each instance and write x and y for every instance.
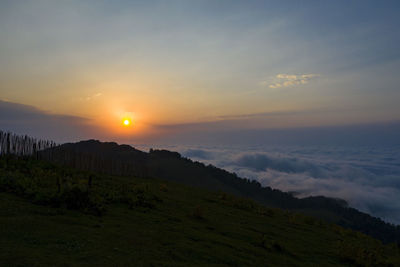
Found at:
(111, 158)
(58, 216)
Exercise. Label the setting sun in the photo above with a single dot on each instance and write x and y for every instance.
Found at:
(127, 122)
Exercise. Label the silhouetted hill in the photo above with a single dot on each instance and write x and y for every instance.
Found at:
(52, 215)
(114, 159)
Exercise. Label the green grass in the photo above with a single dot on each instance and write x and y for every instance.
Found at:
(127, 221)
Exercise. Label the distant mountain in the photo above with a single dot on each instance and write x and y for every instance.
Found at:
(111, 158)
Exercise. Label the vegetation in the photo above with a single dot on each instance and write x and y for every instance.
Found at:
(110, 158)
(110, 208)
(57, 216)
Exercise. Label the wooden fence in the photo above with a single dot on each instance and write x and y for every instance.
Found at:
(22, 145)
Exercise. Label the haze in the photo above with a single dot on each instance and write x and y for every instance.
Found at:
(218, 64)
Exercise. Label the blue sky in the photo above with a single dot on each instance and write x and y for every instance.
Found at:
(235, 64)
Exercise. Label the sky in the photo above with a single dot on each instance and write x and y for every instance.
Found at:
(72, 70)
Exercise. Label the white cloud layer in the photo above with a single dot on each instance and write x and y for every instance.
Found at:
(368, 178)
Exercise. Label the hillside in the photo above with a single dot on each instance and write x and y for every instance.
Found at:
(114, 159)
(58, 216)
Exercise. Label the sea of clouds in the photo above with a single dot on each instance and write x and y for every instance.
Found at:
(368, 178)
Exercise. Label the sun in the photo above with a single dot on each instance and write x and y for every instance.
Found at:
(127, 122)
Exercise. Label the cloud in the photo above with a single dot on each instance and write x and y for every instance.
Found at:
(244, 130)
(24, 119)
(263, 162)
(197, 154)
(368, 178)
(289, 80)
(92, 97)
(262, 114)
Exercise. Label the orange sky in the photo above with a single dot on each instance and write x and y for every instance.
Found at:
(255, 66)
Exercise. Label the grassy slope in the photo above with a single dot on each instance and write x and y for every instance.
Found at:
(160, 223)
(111, 158)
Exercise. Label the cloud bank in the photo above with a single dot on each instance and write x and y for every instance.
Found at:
(24, 119)
(368, 178)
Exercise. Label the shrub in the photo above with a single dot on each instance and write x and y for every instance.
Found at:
(139, 196)
(367, 254)
(238, 202)
(78, 198)
(271, 244)
(198, 213)
(163, 188)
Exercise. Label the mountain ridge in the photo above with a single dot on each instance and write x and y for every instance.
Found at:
(115, 159)
(53, 215)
